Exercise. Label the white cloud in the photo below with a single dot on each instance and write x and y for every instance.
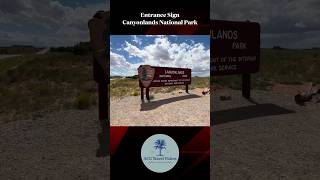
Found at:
(300, 25)
(276, 17)
(45, 13)
(136, 39)
(54, 23)
(120, 67)
(162, 52)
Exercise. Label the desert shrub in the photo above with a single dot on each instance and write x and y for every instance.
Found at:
(135, 93)
(151, 96)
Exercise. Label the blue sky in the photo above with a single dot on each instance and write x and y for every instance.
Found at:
(130, 51)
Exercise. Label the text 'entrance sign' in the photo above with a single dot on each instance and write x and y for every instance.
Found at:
(235, 47)
(152, 76)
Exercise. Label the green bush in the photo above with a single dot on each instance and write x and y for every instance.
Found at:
(135, 93)
(151, 96)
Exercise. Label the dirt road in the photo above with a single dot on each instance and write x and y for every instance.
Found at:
(169, 109)
(272, 139)
(268, 138)
(59, 145)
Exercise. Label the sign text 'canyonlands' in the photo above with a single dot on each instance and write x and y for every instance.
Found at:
(152, 76)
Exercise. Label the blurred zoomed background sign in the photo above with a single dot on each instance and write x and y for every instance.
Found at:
(235, 47)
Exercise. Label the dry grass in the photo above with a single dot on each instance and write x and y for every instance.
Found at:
(122, 87)
(53, 81)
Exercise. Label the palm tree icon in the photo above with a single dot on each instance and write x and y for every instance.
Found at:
(160, 144)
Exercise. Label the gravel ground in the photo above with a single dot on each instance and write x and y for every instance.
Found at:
(275, 139)
(271, 138)
(60, 145)
(169, 109)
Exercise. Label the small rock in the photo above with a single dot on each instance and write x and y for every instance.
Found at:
(204, 92)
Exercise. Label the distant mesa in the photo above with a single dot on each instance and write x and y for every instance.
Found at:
(278, 47)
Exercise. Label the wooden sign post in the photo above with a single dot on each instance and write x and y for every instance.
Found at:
(246, 83)
(99, 42)
(235, 49)
(152, 76)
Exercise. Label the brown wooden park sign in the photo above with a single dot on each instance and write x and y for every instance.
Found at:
(153, 76)
(235, 49)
